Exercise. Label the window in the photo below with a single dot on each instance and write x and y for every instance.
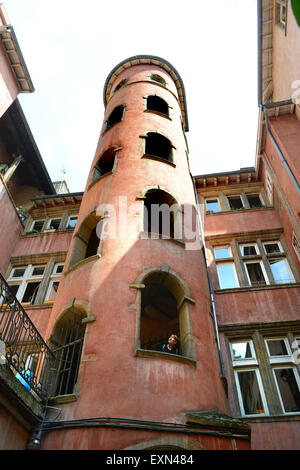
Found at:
(115, 117)
(296, 245)
(155, 103)
(157, 78)
(53, 224)
(121, 84)
(227, 275)
(159, 146)
(212, 205)
(105, 164)
(160, 210)
(281, 10)
(269, 187)
(254, 201)
(222, 252)
(24, 282)
(86, 242)
(37, 226)
(235, 202)
(72, 222)
(66, 344)
(255, 264)
(275, 370)
(54, 282)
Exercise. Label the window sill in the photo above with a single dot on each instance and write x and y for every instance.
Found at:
(160, 159)
(61, 399)
(152, 111)
(269, 419)
(81, 263)
(158, 236)
(252, 288)
(163, 355)
(238, 211)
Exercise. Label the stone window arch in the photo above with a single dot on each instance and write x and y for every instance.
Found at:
(164, 308)
(158, 146)
(106, 163)
(157, 104)
(162, 214)
(86, 240)
(66, 342)
(115, 116)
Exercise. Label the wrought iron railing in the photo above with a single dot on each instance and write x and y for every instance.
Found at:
(22, 347)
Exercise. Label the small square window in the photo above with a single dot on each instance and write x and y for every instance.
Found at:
(256, 273)
(38, 271)
(272, 247)
(277, 347)
(72, 222)
(248, 249)
(53, 224)
(235, 203)
(37, 226)
(212, 205)
(254, 201)
(222, 252)
(242, 350)
(18, 272)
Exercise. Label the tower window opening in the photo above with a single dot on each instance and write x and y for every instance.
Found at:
(160, 211)
(159, 146)
(121, 84)
(105, 164)
(66, 343)
(157, 78)
(155, 103)
(87, 241)
(115, 116)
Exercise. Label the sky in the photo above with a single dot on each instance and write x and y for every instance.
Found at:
(70, 47)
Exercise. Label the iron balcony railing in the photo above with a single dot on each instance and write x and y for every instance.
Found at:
(22, 347)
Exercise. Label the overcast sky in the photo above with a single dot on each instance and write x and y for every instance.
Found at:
(70, 47)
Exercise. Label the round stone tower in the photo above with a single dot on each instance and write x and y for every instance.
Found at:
(135, 274)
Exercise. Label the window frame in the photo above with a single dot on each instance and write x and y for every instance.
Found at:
(26, 279)
(232, 263)
(260, 387)
(297, 379)
(209, 211)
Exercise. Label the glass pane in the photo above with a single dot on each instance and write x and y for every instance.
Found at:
(31, 292)
(235, 202)
(212, 205)
(38, 271)
(277, 347)
(248, 250)
(54, 224)
(72, 222)
(254, 200)
(249, 388)
(241, 350)
(222, 252)
(280, 271)
(272, 248)
(53, 291)
(38, 225)
(227, 276)
(58, 269)
(255, 273)
(289, 389)
(18, 272)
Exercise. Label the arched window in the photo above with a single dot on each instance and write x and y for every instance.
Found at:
(121, 84)
(164, 310)
(155, 103)
(105, 164)
(86, 243)
(157, 78)
(161, 211)
(159, 146)
(66, 343)
(115, 116)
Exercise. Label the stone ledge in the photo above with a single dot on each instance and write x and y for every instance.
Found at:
(163, 355)
(217, 421)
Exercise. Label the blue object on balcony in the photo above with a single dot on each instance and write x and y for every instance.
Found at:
(26, 383)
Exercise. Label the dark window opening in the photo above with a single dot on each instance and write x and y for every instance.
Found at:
(54, 224)
(159, 313)
(235, 203)
(105, 164)
(87, 240)
(254, 201)
(115, 117)
(159, 146)
(66, 343)
(157, 78)
(37, 226)
(155, 103)
(121, 84)
(31, 292)
(158, 214)
(255, 273)
(93, 244)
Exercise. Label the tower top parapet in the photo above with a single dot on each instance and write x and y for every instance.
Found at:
(154, 60)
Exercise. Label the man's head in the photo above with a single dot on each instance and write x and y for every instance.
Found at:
(173, 340)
